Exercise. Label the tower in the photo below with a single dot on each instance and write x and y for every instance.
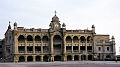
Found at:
(55, 23)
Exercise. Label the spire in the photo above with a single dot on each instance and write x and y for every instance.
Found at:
(55, 12)
(9, 27)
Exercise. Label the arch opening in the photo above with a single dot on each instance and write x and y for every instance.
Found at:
(57, 44)
(76, 57)
(38, 58)
(29, 38)
(68, 39)
(45, 39)
(82, 39)
(21, 59)
(37, 38)
(90, 57)
(83, 57)
(57, 58)
(29, 58)
(69, 58)
(45, 58)
(75, 39)
(21, 38)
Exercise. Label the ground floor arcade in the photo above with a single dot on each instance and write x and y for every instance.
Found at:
(50, 58)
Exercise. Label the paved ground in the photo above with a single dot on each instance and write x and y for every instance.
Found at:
(64, 64)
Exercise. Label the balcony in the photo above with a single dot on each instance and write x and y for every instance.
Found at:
(21, 51)
(37, 51)
(75, 51)
(29, 51)
(57, 51)
(68, 51)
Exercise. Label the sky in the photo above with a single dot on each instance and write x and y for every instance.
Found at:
(76, 14)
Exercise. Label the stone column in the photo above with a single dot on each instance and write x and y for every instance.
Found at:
(33, 45)
(51, 45)
(34, 59)
(41, 46)
(25, 45)
(42, 58)
(72, 45)
(80, 57)
(65, 57)
(86, 48)
(79, 46)
(86, 45)
(72, 57)
(86, 56)
(64, 46)
(25, 58)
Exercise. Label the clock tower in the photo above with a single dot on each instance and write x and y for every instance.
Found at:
(55, 23)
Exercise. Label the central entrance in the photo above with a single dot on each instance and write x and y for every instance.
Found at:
(57, 58)
(57, 44)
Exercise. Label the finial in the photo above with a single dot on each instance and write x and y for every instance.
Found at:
(9, 27)
(9, 22)
(55, 12)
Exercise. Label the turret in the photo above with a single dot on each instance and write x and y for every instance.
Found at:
(15, 26)
(93, 28)
(63, 25)
(113, 44)
(113, 39)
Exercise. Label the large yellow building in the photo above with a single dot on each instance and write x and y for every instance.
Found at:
(56, 44)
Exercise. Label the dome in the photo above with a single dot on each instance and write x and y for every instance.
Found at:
(55, 18)
(15, 24)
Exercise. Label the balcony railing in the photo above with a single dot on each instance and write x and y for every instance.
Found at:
(75, 50)
(69, 51)
(21, 51)
(29, 51)
(37, 51)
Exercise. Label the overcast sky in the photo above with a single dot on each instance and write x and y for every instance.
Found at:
(76, 14)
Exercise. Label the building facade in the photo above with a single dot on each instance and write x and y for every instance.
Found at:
(56, 44)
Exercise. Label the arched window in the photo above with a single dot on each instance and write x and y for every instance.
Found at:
(68, 39)
(57, 38)
(21, 38)
(37, 38)
(82, 39)
(88, 38)
(75, 39)
(29, 38)
(45, 39)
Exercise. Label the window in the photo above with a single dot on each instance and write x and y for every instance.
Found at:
(99, 48)
(108, 49)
